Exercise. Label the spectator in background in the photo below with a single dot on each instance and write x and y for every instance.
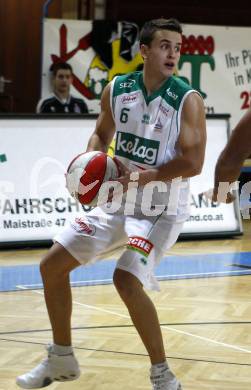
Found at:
(61, 101)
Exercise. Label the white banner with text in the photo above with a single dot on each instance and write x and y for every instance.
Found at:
(34, 203)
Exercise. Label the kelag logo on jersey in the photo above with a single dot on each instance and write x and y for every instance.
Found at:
(136, 148)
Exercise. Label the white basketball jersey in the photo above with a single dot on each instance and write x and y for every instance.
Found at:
(148, 127)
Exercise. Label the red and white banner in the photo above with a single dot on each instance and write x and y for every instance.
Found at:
(215, 60)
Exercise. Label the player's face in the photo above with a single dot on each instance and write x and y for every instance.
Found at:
(63, 80)
(163, 54)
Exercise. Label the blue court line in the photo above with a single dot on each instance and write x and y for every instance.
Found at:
(20, 277)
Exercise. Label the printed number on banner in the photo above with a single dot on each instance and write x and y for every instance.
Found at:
(246, 96)
(60, 222)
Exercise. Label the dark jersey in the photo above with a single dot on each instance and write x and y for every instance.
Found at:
(53, 105)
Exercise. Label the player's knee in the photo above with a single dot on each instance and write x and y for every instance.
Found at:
(126, 284)
(46, 269)
(50, 269)
(57, 264)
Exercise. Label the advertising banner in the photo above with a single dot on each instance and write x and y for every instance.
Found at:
(215, 60)
(34, 203)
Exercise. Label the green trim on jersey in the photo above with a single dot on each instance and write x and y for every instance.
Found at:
(176, 91)
(172, 90)
(155, 94)
(126, 83)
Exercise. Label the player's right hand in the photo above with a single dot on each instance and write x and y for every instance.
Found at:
(213, 195)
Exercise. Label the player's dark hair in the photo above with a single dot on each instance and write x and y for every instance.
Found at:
(60, 65)
(149, 28)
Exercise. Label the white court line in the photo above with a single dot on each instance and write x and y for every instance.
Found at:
(26, 286)
(83, 304)
(192, 252)
(76, 282)
(207, 339)
(15, 316)
(206, 273)
(230, 346)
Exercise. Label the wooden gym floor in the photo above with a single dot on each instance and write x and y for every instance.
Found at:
(205, 317)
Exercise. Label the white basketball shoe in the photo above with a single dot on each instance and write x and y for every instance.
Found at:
(53, 368)
(164, 380)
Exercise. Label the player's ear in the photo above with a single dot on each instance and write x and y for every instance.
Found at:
(144, 51)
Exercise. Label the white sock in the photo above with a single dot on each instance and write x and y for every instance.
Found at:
(62, 350)
(159, 368)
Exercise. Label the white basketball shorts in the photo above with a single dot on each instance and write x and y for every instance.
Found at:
(143, 240)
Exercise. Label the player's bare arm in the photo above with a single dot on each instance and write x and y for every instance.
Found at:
(105, 127)
(229, 163)
(191, 143)
(236, 151)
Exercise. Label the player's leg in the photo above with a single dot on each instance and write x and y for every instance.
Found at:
(55, 268)
(61, 363)
(83, 241)
(141, 307)
(79, 243)
(145, 319)
(135, 270)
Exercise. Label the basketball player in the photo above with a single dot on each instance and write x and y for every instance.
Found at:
(159, 124)
(61, 101)
(231, 159)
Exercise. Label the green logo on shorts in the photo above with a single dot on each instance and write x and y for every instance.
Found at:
(3, 158)
(144, 261)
